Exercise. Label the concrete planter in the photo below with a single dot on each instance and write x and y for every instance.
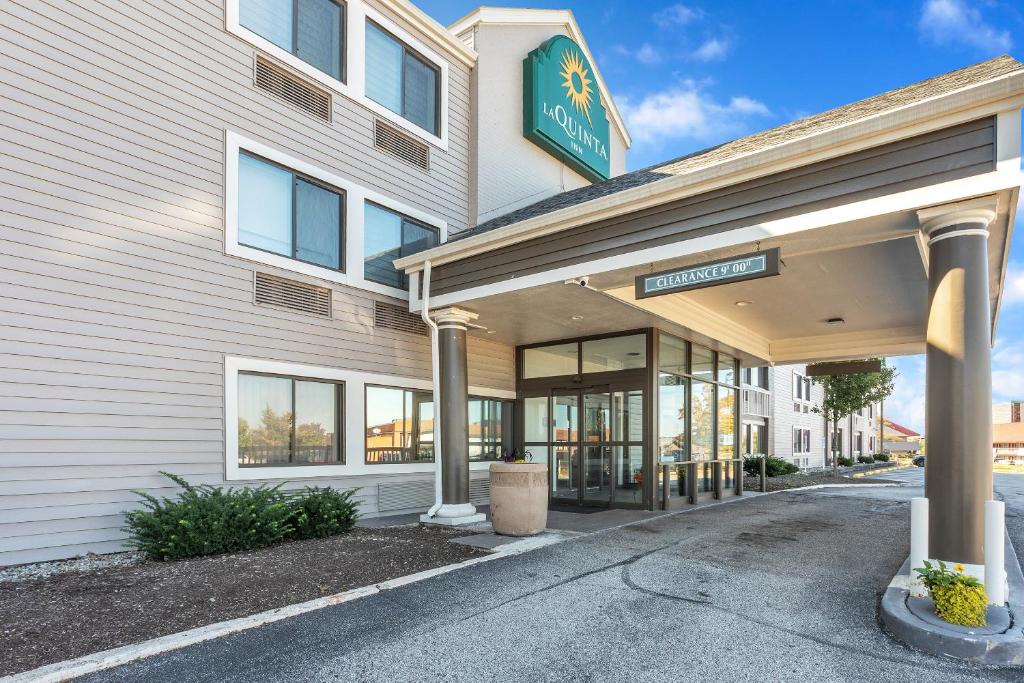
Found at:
(519, 498)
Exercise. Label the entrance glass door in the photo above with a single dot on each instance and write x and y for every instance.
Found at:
(565, 447)
(594, 446)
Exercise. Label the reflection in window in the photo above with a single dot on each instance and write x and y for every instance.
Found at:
(703, 361)
(401, 80)
(287, 214)
(312, 30)
(702, 407)
(490, 430)
(388, 235)
(551, 361)
(615, 353)
(726, 369)
(672, 418)
(726, 423)
(399, 426)
(285, 421)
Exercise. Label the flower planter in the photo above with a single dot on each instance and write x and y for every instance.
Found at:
(519, 498)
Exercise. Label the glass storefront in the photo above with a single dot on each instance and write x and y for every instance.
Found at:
(583, 404)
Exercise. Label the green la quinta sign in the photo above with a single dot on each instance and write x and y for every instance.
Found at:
(562, 110)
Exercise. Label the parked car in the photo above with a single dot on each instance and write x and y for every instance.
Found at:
(919, 461)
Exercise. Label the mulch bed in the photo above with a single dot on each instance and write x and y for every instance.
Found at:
(794, 481)
(69, 615)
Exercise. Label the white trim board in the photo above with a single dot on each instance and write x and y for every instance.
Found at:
(354, 87)
(356, 197)
(353, 419)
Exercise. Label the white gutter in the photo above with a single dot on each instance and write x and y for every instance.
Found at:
(435, 364)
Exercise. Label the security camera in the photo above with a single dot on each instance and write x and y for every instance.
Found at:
(581, 281)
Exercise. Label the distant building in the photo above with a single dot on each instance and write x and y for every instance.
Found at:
(1005, 413)
(899, 439)
(1008, 433)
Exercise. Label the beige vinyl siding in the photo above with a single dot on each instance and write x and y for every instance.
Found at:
(117, 301)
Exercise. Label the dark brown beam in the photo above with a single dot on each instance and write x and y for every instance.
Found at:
(847, 367)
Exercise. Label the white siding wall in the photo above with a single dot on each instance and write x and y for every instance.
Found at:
(117, 301)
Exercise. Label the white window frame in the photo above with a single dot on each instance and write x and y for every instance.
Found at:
(353, 419)
(356, 197)
(356, 14)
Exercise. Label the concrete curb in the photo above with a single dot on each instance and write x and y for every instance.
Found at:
(1002, 649)
(881, 470)
(108, 659)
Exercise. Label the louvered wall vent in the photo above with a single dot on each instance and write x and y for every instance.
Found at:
(271, 290)
(292, 89)
(397, 143)
(392, 317)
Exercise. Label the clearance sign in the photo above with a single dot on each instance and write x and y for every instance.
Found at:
(562, 110)
(735, 269)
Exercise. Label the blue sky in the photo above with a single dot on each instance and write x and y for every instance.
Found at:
(689, 75)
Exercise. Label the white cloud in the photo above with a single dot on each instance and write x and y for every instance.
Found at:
(946, 22)
(645, 54)
(1013, 291)
(676, 15)
(711, 49)
(685, 111)
(1008, 371)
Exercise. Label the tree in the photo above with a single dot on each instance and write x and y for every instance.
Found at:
(846, 394)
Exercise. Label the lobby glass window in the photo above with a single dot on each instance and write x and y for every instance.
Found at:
(399, 425)
(551, 361)
(284, 213)
(312, 30)
(288, 421)
(727, 401)
(672, 388)
(615, 353)
(401, 80)
(702, 411)
(702, 363)
(490, 428)
(388, 235)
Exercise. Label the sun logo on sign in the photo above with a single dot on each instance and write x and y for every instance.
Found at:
(577, 85)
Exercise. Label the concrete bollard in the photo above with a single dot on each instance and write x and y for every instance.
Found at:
(995, 535)
(918, 542)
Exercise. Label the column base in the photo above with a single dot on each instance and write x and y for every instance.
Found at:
(455, 514)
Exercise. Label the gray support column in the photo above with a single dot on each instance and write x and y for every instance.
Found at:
(958, 411)
(454, 418)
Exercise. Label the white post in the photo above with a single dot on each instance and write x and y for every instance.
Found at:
(918, 542)
(995, 574)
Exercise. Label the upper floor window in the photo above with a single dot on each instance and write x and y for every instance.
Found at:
(312, 30)
(401, 80)
(387, 235)
(288, 421)
(284, 213)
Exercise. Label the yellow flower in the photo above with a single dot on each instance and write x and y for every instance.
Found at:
(959, 568)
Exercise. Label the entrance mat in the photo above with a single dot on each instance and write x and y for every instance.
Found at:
(576, 509)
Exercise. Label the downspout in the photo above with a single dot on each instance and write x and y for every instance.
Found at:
(435, 364)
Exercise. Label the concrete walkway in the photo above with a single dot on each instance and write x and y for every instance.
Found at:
(776, 588)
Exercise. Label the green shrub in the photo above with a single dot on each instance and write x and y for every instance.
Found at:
(206, 520)
(845, 462)
(866, 459)
(881, 457)
(773, 467)
(959, 598)
(320, 512)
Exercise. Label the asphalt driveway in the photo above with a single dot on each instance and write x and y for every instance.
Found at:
(782, 587)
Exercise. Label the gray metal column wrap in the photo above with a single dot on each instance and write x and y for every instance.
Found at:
(454, 414)
(958, 419)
